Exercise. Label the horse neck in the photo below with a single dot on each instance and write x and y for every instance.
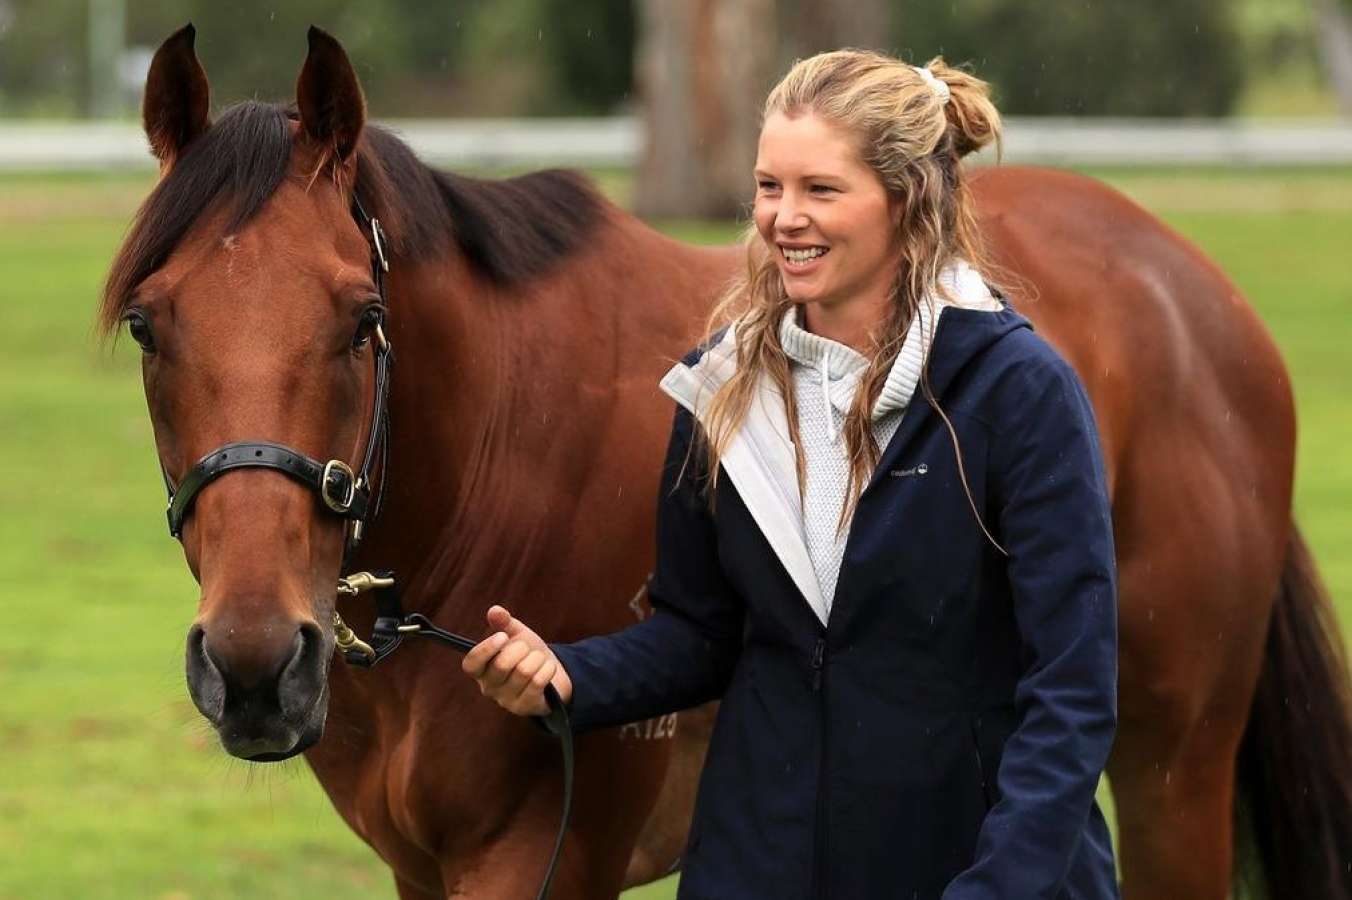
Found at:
(480, 440)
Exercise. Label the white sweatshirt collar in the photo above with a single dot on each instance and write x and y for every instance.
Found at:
(840, 367)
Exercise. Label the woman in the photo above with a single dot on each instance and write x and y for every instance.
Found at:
(883, 537)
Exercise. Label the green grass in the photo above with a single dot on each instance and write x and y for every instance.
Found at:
(111, 787)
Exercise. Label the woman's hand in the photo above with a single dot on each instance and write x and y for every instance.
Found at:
(513, 665)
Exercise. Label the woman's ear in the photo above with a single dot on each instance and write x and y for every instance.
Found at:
(177, 104)
(329, 97)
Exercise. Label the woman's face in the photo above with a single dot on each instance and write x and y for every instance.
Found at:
(824, 214)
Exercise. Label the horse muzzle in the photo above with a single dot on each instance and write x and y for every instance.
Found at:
(263, 687)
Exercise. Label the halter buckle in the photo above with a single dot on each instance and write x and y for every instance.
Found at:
(345, 481)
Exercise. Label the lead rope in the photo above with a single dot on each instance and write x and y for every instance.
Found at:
(392, 626)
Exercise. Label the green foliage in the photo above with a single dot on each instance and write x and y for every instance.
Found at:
(415, 57)
(1072, 57)
(252, 48)
(43, 57)
(568, 57)
(591, 50)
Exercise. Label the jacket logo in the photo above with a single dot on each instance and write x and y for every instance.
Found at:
(913, 470)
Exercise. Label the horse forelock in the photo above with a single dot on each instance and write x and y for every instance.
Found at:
(509, 230)
(239, 161)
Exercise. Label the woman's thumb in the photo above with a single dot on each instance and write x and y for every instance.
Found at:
(499, 619)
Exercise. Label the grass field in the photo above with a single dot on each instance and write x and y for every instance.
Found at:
(110, 786)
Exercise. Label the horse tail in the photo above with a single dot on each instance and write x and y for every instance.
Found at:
(1294, 770)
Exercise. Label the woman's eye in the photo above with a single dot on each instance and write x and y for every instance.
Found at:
(767, 185)
(366, 326)
(823, 189)
(139, 329)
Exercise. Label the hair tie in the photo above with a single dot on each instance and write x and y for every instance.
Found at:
(936, 84)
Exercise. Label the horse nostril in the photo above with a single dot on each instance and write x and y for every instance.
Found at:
(205, 683)
(309, 644)
(311, 635)
(302, 678)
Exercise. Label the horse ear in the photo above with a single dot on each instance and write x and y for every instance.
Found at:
(332, 108)
(177, 103)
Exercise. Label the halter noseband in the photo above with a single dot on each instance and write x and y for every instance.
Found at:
(344, 492)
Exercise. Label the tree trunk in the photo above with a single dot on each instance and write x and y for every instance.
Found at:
(812, 26)
(1333, 26)
(703, 68)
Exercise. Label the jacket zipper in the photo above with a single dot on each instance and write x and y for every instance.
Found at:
(819, 879)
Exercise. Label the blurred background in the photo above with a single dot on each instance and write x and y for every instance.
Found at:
(1227, 118)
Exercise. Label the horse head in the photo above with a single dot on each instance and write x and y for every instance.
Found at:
(248, 284)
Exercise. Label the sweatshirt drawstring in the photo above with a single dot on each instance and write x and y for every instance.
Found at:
(831, 433)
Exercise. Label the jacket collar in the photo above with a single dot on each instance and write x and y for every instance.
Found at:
(761, 460)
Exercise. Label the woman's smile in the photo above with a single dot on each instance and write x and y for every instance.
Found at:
(798, 259)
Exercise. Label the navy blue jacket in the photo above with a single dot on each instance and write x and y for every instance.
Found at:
(943, 734)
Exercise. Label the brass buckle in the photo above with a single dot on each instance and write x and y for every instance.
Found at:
(338, 505)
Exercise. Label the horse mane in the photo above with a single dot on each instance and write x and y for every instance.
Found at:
(509, 230)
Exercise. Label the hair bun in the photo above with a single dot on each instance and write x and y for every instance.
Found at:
(972, 116)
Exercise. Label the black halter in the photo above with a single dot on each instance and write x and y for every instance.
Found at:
(343, 491)
(348, 494)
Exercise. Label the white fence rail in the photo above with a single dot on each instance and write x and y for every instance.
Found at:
(37, 146)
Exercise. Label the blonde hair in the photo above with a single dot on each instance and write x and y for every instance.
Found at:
(913, 140)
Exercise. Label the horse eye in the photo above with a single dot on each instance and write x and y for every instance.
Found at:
(366, 326)
(139, 329)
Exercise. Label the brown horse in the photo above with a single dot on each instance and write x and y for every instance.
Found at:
(532, 321)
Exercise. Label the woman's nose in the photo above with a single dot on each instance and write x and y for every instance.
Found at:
(790, 215)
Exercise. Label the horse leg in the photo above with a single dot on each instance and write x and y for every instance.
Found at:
(1191, 647)
(514, 866)
(1174, 793)
(614, 787)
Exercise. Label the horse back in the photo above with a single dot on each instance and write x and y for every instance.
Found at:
(1169, 349)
